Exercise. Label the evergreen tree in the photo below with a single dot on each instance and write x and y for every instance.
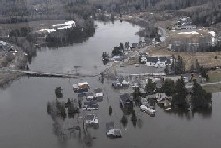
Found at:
(134, 118)
(203, 72)
(124, 120)
(150, 87)
(197, 66)
(110, 110)
(179, 98)
(167, 70)
(168, 87)
(179, 66)
(200, 99)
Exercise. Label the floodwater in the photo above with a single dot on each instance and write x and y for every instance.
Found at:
(24, 122)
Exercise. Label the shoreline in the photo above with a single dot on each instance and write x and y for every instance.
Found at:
(6, 78)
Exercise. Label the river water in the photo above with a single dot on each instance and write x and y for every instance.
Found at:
(24, 122)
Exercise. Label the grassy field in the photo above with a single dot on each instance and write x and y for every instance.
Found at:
(214, 76)
(212, 88)
(205, 59)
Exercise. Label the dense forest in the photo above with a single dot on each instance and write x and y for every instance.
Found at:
(202, 12)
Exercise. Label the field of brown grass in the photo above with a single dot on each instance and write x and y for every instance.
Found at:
(205, 59)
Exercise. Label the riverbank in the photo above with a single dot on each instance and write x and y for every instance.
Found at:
(7, 77)
(11, 58)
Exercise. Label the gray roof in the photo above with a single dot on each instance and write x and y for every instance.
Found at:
(163, 59)
(126, 97)
(90, 117)
(152, 59)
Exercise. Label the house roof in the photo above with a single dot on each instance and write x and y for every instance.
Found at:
(98, 90)
(152, 59)
(151, 96)
(125, 97)
(163, 59)
(90, 117)
(168, 61)
(134, 45)
(109, 126)
(90, 94)
(90, 102)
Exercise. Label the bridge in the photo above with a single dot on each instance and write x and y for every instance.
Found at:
(48, 74)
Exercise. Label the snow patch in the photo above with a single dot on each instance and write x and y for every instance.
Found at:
(190, 32)
(47, 30)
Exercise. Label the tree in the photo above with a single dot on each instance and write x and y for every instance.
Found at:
(110, 110)
(179, 98)
(150, 87)
(136, 95)
(117, 51)
(179, 65)
(168, 87)
(203, 72)
(134, 118)
(122, 46)
(197, 66)
(124, 120)
(166, 70)
(192, 68)
(173, 64)
(200, 99)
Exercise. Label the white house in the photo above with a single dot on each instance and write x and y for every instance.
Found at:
(151, 61)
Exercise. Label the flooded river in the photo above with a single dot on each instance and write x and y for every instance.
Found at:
(24, 122)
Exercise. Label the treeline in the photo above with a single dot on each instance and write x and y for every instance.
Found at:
(197, 98)
(21, 32)
(13, 11)
(178, 4)
(202, 12)
(77, 34)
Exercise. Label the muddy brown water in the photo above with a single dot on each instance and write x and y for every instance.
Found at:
(24, 122)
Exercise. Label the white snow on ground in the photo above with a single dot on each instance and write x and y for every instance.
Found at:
(47, 30)
(212, 33)
(189, 32)
(213, 37)
(66, 25)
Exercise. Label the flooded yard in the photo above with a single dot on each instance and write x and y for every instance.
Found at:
(26, 123)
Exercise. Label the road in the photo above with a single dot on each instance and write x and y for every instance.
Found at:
(204, 84)
(162, 32)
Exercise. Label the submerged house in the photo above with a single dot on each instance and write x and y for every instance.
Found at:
(134, 45)
(72, 105)
(126, 100)
(98, 94)
(90, 97)
(91, 119)
(81, 87)
(164, 100)
(90, 105)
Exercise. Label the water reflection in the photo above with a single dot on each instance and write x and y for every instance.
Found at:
(67, 129)
(189, 115)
